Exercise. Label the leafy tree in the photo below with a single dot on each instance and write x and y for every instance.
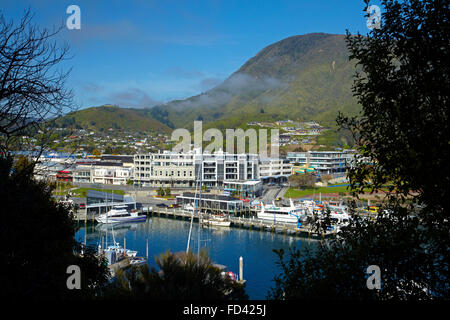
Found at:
(161, 192)
(181, 276)
(402, 136)
(37, 234)
(167, 192)
(38, 241)
(304, 180)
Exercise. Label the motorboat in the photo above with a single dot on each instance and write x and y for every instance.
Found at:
(120, 214)
(137, 261)
(291, 214)
(339, 215)
(120, 250)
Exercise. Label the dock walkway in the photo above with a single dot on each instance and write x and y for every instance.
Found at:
(247, 223)
(251, 223)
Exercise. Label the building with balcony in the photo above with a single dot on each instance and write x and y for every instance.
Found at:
(167, 169)
(274, 170)
(178, 170)
(325, 162)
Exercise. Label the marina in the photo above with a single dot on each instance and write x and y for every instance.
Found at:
(225, 245)
(241, 222)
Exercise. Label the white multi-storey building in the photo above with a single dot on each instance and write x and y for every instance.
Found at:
(274, 169)
(102, 174)
(170, 169)
(325, 162)
(111, 175)
(219, 167)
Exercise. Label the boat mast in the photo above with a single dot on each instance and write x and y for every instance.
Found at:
(199, 212)
(106, 214)
(194, 208)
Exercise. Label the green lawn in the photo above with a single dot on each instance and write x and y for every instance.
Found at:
(82, 192)
(295, 193)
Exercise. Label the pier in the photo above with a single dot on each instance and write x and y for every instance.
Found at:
(246, 223)
(250, 223)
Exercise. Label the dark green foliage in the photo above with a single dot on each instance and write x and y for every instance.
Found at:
(161, 192)
(404, 127)
(402, 135)
(181, 277)
(38, 243)
(336, 269)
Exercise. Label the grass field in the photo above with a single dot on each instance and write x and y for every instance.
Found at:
(295, 193)
(82, 192)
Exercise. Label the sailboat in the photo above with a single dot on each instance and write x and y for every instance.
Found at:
(116, 255)
(217, 221)
(196, 207)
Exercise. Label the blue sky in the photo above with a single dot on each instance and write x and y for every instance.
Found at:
(139, 53)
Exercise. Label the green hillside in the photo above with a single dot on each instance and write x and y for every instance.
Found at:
(107, 116)
(307, 77)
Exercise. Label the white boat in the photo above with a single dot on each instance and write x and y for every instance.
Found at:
(310, 206)
(339, 215)
(137, 261)
(291, 214)
(119, 214)
(217, 221)
(120, 250)
(189, 208)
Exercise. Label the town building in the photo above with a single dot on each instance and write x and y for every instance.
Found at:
(177, 170)
(325, 162)
(167, 169)
(274, 170)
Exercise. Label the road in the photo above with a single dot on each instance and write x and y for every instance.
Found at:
(271, 193)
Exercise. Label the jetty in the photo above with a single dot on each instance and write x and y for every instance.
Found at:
(250, 223)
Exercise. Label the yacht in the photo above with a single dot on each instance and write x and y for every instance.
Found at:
(118, 248)
(119, 214)
(291, 214)
(339, 215)
(217, 221)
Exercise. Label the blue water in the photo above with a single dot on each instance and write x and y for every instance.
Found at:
(225, 246)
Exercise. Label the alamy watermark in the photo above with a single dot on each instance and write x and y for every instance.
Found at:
(74, 280)
(255, 145)
(374, 280)
(74, 20)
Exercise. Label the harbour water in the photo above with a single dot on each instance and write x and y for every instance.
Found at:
(225, 246)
